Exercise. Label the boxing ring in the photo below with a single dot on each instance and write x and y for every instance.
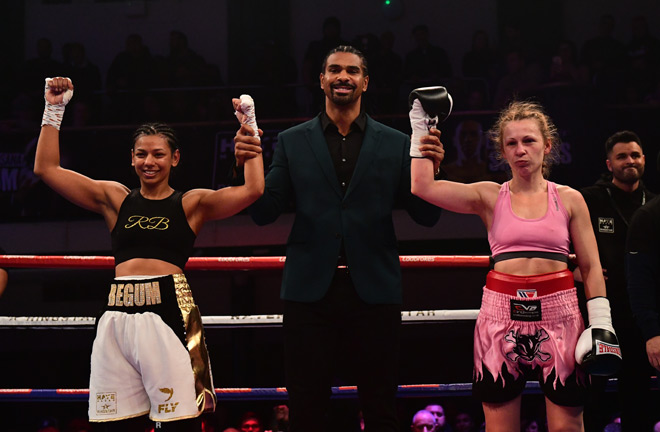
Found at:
(16, 323)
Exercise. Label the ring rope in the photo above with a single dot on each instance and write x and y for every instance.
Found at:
(238, 394)
(212, 321)
(226, 263)
(239, 263)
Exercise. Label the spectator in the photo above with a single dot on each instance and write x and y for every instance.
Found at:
(426, 63)
(612, 202)
(564, 66)
(133, 68)
(314, 55)
(387, 75)
(520, 79)
(423, 421)
(604, 56)
(131, 73)
(35, 70)
(279, 421)
(464, 422)
(441, 424)
(87, 76)
(643, 63)
(481, 61)
(470, 164)
(250, 422)
(643, 44)
(273, 70)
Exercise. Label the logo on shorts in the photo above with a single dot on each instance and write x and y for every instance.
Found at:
(169, 407)
(527, 293)
(106, 403)
(528, 310)
(605, 225)
(527, 346)
(169, 391)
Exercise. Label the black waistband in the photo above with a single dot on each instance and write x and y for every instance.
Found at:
(529, 254)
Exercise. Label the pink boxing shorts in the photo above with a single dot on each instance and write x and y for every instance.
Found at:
(527, 328)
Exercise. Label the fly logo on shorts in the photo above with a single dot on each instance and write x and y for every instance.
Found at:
(137, 294)
(527, 346)
(106, 403)
(168, 407)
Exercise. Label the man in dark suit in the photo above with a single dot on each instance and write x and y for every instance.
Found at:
(344, 173)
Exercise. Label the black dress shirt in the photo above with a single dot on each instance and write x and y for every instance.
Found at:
(344, 150)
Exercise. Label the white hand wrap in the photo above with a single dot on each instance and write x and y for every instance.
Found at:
(53, 113)
(420, 123)
(598, 309)
(247, 108)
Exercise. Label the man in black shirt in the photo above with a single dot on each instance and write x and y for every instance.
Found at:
(344, 173)
(643, 267)
(612, 202)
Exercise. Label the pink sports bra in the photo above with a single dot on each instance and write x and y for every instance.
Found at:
(511, 236)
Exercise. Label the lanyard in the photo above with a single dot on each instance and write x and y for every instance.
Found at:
(616, 207)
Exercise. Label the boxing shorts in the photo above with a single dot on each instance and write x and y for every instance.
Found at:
(149, 355)
(527, 328)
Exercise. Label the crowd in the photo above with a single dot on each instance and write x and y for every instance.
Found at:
(181, 85)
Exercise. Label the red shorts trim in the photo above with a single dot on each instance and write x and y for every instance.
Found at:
(543, 284)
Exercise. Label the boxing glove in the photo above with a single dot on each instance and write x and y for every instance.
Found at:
(247, 108)
(53, 113)
(428, 107)
(597, 349)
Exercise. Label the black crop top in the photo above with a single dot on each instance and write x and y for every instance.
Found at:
(152, 229)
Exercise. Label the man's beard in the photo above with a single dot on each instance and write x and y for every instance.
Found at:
(629, 176)
(342, 99)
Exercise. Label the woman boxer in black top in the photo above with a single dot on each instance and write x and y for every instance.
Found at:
(149, 355)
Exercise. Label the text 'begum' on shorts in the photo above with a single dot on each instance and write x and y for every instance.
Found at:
(149, 355)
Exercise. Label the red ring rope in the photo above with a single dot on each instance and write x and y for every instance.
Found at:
(225, 263)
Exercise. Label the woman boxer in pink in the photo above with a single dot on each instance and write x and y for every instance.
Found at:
(529, 323)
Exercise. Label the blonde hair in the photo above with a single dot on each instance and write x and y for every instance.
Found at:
(523, 110)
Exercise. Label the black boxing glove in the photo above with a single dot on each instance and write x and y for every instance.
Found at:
(428, 107)
(598, 348)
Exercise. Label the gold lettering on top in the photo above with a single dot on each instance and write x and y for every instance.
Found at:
(111, 296)
(128, 295)
(138, 295)
(152, 293)
(148, 223)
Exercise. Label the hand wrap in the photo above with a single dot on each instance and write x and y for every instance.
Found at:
(247, 108)
(429, 106)
(53, 113)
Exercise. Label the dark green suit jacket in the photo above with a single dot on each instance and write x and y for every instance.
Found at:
(302, 172)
